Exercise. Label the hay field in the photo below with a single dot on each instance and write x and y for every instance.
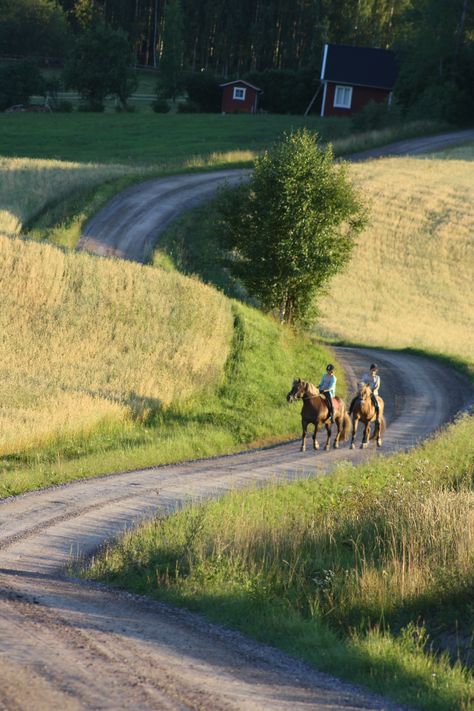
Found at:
(27, 186)
(410, 280)
(84, 340)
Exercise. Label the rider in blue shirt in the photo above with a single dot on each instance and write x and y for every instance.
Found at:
(328, 387)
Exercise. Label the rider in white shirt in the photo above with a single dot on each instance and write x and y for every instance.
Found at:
(372, 379)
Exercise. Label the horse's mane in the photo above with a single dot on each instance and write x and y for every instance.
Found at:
(311, 389)
(364, 388)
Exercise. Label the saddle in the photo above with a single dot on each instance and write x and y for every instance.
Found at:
(336, 401)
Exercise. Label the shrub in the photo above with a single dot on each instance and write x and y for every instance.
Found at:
(64, 107)
(160, 106)
(285, 91)
(18, 82)
(188, 107)
(204, 90)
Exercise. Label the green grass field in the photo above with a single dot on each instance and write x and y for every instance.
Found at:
(169, 139)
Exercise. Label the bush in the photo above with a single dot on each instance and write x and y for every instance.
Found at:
(91, 107)
(18, 82)
(204, 90)
(188, 107)
(160, 106)
(64, 107)
(376, 115)
(285, 91)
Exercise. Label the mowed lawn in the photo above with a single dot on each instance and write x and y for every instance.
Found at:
(144, 138)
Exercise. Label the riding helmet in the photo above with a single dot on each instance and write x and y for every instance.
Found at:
(329, 367)
(374, 366)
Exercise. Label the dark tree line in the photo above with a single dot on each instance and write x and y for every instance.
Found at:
(434, 39)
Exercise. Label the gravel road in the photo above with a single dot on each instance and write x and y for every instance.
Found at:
(66, 644)
(129, 225)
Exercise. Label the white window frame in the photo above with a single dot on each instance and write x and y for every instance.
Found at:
(237, 96)
(344, 102)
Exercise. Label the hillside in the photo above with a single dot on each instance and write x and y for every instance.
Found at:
(86, 340)
(409, 282)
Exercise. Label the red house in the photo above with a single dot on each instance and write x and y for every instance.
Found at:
(353, 76)
(239, 97)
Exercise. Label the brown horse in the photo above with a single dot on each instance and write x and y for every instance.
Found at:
(315, 411)
(364, 410)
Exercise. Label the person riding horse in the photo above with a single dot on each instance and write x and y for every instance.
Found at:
(373, 380)
(327, 387)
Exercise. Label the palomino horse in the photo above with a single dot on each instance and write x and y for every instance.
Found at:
(364, 410)
(315, 411)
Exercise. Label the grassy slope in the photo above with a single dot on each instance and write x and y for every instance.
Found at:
(409, 282)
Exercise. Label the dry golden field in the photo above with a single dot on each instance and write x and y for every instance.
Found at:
(86, 339)
(410, 280)
(27, 186)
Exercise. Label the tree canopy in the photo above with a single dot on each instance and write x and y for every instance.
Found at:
(292, 226)
(100, 65)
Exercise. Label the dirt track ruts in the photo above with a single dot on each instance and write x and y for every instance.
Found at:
(71, 645)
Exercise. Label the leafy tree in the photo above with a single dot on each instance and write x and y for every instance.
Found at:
(19, 81)
(33, 28)
(204, 90)
(100, 65)
(171, 63)
(292, 226)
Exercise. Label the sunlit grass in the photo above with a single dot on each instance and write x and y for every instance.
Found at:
(409, 282)
(27, 186)
(86, 339)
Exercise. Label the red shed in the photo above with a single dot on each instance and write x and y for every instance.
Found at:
(239, 96)
(353, 76)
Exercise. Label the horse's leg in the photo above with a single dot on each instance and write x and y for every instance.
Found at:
(303, 436)
(355, 424)
(338, 433)
(328, 430)
(365, 438)
(315, 441)
(378, 431)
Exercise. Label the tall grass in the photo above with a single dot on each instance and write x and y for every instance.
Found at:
(359, 573)
(409, 282)
(27, 186)
(86, 339)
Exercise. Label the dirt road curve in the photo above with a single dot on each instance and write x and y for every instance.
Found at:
(130, 224)
(65, 645)
(68, 645)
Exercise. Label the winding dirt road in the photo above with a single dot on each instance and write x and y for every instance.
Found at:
(130, 224)
(66, 644)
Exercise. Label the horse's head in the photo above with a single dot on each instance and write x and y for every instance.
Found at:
(297, 391)
(363, 390)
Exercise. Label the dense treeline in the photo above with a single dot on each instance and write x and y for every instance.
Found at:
(433, 38)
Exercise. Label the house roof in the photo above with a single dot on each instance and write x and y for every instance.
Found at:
(240, 81)
(360, 66)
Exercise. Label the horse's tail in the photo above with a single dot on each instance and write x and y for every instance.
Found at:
(346, 427)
